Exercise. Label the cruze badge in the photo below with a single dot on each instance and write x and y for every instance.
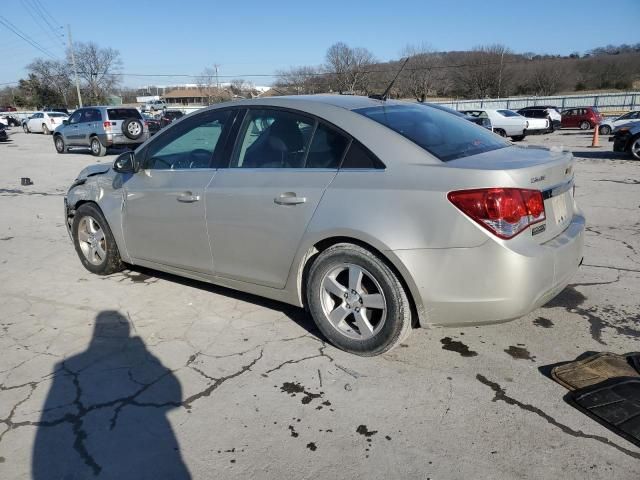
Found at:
(538, 179)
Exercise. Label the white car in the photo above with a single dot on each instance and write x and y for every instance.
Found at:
(608, 124)
(154, 105)
(45, 122)
(539, 120)
(505, 123)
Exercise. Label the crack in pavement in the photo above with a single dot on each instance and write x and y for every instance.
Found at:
(76, 419)
(500, 395)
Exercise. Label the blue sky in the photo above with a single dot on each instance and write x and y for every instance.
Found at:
(260, 37)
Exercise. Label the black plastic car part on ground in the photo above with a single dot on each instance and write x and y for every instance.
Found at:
(615, 404)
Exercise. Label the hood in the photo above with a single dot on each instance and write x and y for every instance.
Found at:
(95, 169)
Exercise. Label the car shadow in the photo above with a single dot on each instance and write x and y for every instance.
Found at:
(296, 314)
(601, 154)
(105, 414)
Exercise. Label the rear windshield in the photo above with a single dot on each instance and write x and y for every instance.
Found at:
(122, 113)
(440, 133)
(56, 115)
(173, 114)
(508, 113)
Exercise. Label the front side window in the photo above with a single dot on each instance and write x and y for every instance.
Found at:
(273, 139)
(192, 144)
(445, 136)
(75, 118)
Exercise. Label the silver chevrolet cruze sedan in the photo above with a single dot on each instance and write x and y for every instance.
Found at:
(374, 215)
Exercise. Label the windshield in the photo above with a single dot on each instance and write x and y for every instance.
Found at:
(440, 133)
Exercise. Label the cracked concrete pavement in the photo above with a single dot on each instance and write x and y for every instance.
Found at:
(146, 375)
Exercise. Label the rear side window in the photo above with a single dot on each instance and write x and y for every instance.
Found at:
(123, 113)
(327, 148)
(445, 136)
(360, 157)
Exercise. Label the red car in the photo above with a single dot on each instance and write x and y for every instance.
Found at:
(583, 118)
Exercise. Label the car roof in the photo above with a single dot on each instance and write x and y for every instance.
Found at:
(348, 102)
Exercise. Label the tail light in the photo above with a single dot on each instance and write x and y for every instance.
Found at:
(107, 126)
(505, 212)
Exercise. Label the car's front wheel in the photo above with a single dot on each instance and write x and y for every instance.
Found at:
(58, 142)
(97, 149)
(94, 241)
(605, 130)
(634, 148)
(357, 301)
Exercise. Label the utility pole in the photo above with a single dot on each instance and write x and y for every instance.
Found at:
(73, 60)
(217, 81)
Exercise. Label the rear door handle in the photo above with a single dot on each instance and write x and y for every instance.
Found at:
(188, 197)
(289, 198)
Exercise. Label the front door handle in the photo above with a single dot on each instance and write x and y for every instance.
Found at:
(188, 197)
(289, 198)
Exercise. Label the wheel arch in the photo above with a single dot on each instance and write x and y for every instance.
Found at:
(387, 256)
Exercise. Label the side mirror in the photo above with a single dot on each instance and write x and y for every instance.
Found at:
(125, 163)
(65, 122)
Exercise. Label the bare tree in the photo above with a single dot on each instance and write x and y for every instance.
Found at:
(485, 72)
(207, 85)
(350, 68)
(56, 75)
(97, 68)
(300, 80)
(422, 75)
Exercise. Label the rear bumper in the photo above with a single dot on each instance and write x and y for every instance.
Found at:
(114, 139)
(492, 283)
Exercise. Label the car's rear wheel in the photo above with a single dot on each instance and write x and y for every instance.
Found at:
(585, 125)
(634, 148)
(605, 130)
(518, 138)
(45, 129)
(94, 241)
(58, 142)
(357, 301)
(97, 149)
(26, 128)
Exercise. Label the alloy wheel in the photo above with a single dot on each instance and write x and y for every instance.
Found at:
(353, 301)
(92, 240)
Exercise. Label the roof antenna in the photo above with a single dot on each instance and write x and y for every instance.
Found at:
(385, 95)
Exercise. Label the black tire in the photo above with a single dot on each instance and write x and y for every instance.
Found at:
(96, 147)
(392, 327)
(45, 130)
(584, 125)
(500, 132)
(132, 128)
(605, 130)
(58, 142)
(518, 138)
(111, 262)
(25, 128)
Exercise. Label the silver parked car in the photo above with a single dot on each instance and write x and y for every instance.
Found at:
(375, 215)
(100, 128)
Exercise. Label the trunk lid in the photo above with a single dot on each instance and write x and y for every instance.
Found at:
(549, 170)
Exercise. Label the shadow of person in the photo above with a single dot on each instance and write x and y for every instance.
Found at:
(106, 413)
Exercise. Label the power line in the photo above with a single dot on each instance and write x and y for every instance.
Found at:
(41, 22)
(44, 9)
(25, 37)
